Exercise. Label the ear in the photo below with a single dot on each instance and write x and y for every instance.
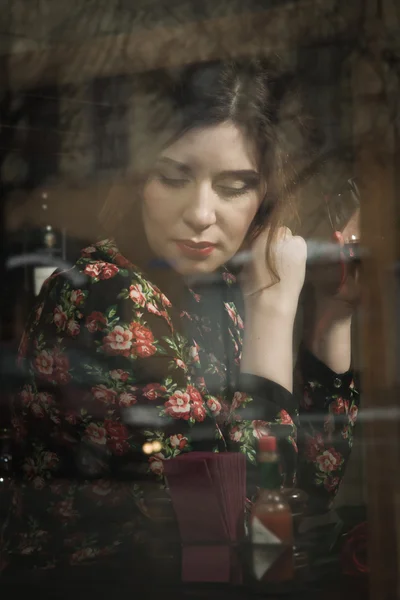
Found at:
(260, 221)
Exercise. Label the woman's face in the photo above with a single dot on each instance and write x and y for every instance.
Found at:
(201, 198)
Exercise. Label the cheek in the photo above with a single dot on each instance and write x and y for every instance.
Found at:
(157, 205)
(151, 197)
(242, 217)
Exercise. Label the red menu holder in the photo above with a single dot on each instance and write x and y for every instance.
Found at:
(208, 494)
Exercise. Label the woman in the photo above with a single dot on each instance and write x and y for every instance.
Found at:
(162, 348)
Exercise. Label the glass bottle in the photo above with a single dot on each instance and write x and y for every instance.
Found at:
(271, 522)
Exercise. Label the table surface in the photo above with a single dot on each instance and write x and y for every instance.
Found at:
(146, 580)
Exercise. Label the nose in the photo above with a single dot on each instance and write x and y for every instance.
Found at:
(200, 212)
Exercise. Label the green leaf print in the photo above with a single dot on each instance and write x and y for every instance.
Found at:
(111, 312)
(123, 295)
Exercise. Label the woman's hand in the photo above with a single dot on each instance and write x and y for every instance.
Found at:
(334, 276)
(270, 307)
(331, 297)
(258, 284)
(348, 292)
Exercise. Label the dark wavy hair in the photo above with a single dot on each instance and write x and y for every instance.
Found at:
(253, 94)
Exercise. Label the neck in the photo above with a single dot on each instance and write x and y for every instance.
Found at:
(137, 249)
(270, 477)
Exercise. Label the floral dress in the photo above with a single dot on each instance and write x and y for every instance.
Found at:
(112, 369)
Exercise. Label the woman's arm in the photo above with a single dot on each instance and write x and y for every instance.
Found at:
(270, 308)
(324, 388)
(265, 403)
(329, 307)
(268, 342)
(329, 398)
(314, 426)
(329, 404)
(327, 331)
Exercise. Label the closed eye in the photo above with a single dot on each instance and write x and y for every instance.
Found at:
(175, 182)
(235, 190)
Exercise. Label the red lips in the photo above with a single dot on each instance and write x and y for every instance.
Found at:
(195, 249)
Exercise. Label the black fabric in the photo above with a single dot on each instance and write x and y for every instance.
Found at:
(269, 397)
(313, 369)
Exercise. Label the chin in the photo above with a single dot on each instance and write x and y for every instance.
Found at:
(196, 267)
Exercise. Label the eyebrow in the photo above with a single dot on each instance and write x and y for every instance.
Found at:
(239, 173)
(175, 163)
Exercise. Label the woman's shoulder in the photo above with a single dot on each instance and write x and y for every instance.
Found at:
(103, 260)
(100, 270)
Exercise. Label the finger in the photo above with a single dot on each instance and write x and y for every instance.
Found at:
(284, 233)
(338, 237)
(352, 229)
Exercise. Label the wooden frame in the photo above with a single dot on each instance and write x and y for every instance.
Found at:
(376, 167)
(374, 90)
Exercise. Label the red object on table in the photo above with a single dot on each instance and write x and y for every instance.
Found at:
(354, 553)
(208, 495)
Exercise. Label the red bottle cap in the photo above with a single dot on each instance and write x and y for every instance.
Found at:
(267, 444)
